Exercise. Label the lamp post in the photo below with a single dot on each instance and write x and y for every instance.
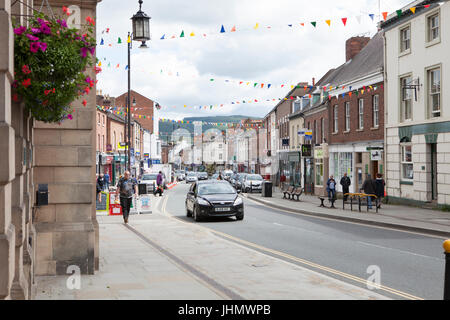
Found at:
(141, 32)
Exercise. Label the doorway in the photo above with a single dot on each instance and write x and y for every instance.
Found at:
(374, 169)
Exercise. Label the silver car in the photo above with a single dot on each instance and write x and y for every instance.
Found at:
(191, 177)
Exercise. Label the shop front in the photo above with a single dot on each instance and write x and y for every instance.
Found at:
(290, 170)
(119, 167)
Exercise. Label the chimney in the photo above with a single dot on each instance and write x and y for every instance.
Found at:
(313, 81)
(354, 45)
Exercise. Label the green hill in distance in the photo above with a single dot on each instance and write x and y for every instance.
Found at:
(166, 128)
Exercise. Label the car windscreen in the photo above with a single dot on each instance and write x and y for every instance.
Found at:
(202, 174)
(254, 177)
(191, 174)
(149, 177)
(215, 188)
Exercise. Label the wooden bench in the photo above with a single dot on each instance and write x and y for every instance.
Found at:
(288, 192)
(297, 193)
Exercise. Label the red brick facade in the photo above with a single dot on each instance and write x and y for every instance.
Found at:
(144, 107)
(369, 132)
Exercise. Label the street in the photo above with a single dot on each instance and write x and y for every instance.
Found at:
(411, 265)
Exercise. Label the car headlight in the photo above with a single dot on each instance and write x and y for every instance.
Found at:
(203, 202)
(238, 201)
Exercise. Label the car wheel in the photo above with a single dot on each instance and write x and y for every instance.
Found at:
(240, 217)
(196, 215)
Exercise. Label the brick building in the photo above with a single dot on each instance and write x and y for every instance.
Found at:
(144, 107)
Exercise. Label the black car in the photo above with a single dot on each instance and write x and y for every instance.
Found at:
(213, 199)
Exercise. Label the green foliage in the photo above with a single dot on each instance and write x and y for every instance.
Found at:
(50, 60)
(211, 169)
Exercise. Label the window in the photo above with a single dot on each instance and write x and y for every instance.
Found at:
(115, 141)
(104, 120)
(407, 164)
(406, 95)
(103, 143)
(315, 132)
(99, 146)
(319, 172)
(433, 27)
(336, 119)
(322, 128)
(361, 114)
(347, 116)
(296, 106)
(98, 118)
(434, 92)
(376, 110)
(405, 36)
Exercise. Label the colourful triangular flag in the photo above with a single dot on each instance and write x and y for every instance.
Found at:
(233, 29)
(192, 34)
(163, 37)
(371, 15)
(344, 21)
(119, 41)
(399, 13)
(256, 26)
(102, 42)
(222, 30)
(314, 23)
(182, 34)
(129, 39)
(328, 22)
(413, 10)
(385, 14)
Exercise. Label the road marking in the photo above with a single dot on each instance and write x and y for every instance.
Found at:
(292, 258)
(403, 251)
(343, 221)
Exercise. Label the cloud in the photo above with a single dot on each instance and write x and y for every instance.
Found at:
(276, 55)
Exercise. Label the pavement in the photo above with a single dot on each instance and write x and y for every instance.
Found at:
(159, 257)
(406, 218)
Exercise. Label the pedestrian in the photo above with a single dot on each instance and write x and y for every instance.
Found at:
(331, 188)
(220, 177)
(345, 183)
(159, 183)
(379, 188)
(100, 186)
(107, 181)
(369, 188)
(127, 188)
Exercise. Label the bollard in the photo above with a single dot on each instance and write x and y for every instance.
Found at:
(447, 270)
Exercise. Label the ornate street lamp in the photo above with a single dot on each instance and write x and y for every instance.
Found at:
(141, 32)
(141, 26)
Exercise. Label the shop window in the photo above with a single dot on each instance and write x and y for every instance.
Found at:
(407, 163)
(319, 172)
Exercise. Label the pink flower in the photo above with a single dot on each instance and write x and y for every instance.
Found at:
(35, 30)
(62, 23)
(34, 47)
(45, 29)
(32, 38)
(84, 51)
(43, 46)
(26, 69)
(70, 117)
(19, 31)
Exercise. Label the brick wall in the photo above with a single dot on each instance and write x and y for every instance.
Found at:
(144, 107)
(368, 133)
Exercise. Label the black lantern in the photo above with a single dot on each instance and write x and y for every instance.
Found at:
(141, 26)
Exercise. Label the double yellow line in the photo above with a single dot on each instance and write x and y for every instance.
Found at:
(295, 259)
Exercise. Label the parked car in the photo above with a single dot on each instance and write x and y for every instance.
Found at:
(213, 199)
(227, 175)
(180, 175)
(252, 182)
(234, 177)
(191, 177)
(240, 181)
(215, 176)
(202, 176)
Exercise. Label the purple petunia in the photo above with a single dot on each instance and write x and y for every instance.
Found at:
(62, 23)
(45, 29)
(43, 46)
(20, 31)
(34, 47)
(35, 30)
(84, 51)
(32, 38)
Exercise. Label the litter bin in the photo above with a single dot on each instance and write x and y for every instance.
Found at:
(142, 188)
(267, 189)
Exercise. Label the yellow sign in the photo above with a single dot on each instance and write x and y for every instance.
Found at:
(121, 146)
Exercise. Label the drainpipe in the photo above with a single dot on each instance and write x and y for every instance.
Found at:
(385, 104)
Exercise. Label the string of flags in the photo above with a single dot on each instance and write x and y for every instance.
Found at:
(349, 93)
(344, 21)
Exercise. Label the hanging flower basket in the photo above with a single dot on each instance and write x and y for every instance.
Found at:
(50, 60)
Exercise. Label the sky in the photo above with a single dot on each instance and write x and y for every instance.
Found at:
(177, 72)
